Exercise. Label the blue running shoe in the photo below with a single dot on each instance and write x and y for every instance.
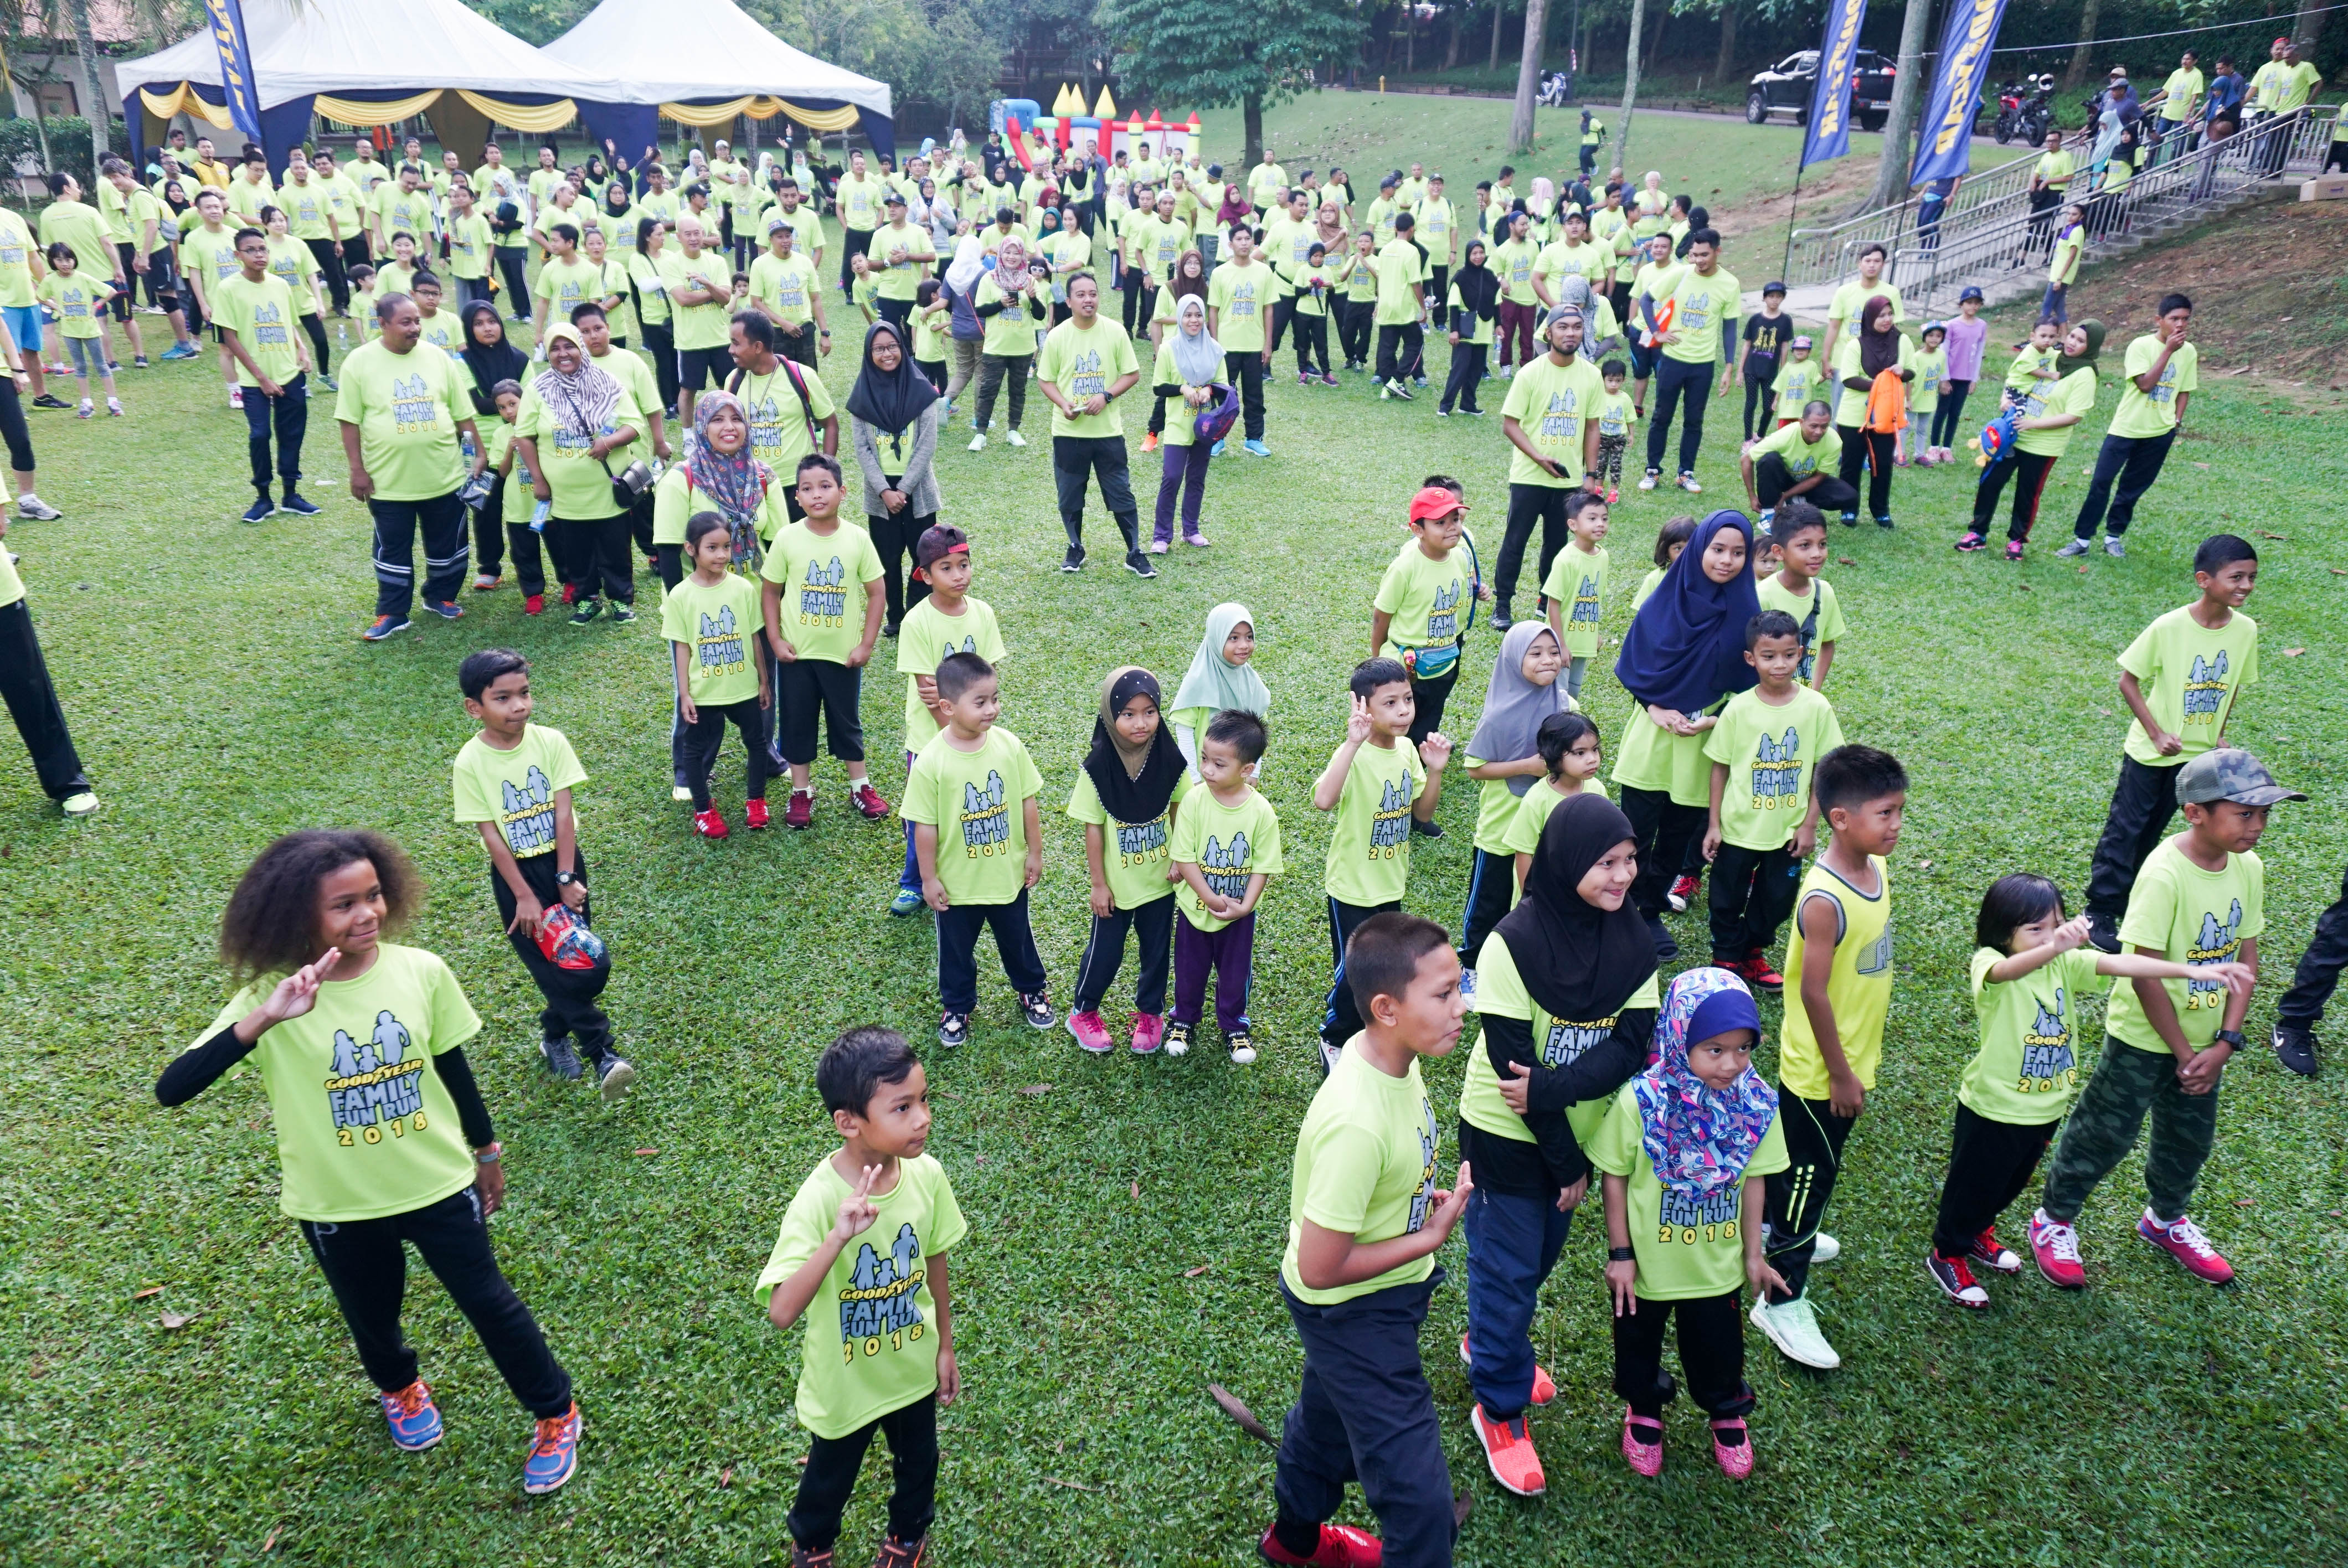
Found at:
(385, 626)
(905, 902)
(1258, 449)
(553, 1452)
(178, 352)
(300, 505)
(261, 511)
(414, 1419)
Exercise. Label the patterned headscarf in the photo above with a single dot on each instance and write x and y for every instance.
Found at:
(735, 485)
(588, 396)
(1698, 1138)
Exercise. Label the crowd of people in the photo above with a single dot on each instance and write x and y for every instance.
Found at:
(713, 459)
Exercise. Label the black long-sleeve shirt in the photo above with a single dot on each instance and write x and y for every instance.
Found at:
(1553, 1159)
(193, 1072)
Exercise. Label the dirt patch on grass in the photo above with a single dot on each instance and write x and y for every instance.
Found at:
(2268, 285)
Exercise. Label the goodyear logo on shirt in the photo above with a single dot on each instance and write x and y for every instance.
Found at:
(1390, 822)
(1562, 420)
(880, 1300)
(2205, 689)
(2215, 944)
(414, 408)
(373, 1085)
(1778, 771)
(1243, 300)
(1567, 1042)
(1688, 1220)
(823, 594)
(719, 648)
(1086, 378)
(985, 818)
(269, 329)
(1140, 844)
(1585, 601)
(1225, 865)
(2047, 1063)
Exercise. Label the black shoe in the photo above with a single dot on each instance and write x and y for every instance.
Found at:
(1667, 947)
(2295, 1048)
(1426, 829)
(1075, 559)
(2103, 932)
(1138, 564)
(560, 1060)
(50, 400)
(1501, 618)
(888, 629)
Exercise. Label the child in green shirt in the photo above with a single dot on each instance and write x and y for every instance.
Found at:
(1226, 847)
(1799, 532)
(711, 621)
(1575, 590)
(978, 840)
(1685, 1155)
(822, 638)
(1424, 604)
(886, 1299)
(1763, 818)
(2031, 968)
(1131, 784)
(1380, 784)
(2179, 679)
(1573, 753)
(76, 303)
(947, 619)
(1365, 1220)
(2200, 901)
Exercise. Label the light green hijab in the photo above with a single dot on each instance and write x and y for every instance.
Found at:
(1214, 682)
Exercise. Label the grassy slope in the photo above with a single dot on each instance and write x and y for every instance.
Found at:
(220, 697)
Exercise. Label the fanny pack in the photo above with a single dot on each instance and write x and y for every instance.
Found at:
(1435, 660)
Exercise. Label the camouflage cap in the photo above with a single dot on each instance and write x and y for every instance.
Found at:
(2230, 773)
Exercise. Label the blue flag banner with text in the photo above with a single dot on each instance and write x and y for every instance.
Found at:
(1944, 137)
(238, 82)
(1830, 129)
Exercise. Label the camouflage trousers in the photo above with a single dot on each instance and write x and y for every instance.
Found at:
(2104, 1123)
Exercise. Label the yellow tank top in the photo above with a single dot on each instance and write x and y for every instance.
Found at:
(1859, 986)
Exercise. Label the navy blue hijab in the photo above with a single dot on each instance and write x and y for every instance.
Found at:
(1685, 647)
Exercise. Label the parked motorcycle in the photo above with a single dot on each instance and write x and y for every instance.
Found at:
(2025, 109)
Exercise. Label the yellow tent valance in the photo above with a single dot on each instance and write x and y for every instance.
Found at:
(358, 112)
(164, 105)
(534, 119)
(756, 107)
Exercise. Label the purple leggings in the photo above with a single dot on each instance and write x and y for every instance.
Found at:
(1184, 471)
(1230, 953)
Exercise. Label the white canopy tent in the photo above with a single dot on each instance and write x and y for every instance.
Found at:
(363, 65)
(702, 63)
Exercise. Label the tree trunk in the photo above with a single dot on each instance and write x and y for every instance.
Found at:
(1907, 92)
(1251, 120)
(1451, 40)
(94, 103)
(1630, 88)
(1520, 122)
(2083, 55)
(1409, 36)
(2308, 26)
(1500, 26)
(1724, 64)
(1656, 44)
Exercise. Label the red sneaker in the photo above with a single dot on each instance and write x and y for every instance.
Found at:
(1544, 1386)
(1955, 1279)
(2055, 1247)
(1990, 1253)
(2181, 1239)
(1508, 1449)
(570, 593)
(754, 815)
(1342, 1546)
(1731, 1448)
(1759, 972)
(534, 605)
(867, 801)
(1646, 1457)
(709, 823)
(801, 812)
(1683, 892)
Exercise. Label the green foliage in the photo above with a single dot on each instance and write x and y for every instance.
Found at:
(69, 148)
(1183, 53)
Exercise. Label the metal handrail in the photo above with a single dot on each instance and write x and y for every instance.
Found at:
(2211, 177)
(1827, 254)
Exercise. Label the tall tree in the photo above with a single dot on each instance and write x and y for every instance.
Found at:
(1630, 87)
(2084, 54)
(1499, 16)
(1529, 63)
(1907, 102)
(1206, 56)
(93, 93)
(1724, 64)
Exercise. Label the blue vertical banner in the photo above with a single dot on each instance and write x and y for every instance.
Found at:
(1829, 129)
(239, 85)
(1944, 138)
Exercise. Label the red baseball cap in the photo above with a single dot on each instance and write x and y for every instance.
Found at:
(1434, 501)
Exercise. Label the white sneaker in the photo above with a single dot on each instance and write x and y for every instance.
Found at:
(1646, 481)
(1793, 1327)
(978, 442)
(678, 791)
(1328, 1055)
(37, 509)
(1507, 370)
(1688, 483)
(1824, 1248)
(1467, 985)
(2075, 548)
(1016, 439)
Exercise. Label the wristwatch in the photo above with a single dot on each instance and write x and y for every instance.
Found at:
(488, 1154)
(566, 879)
(1621, 1254)
(2232, 1037)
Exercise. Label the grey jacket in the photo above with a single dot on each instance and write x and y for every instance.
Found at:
(875, 456)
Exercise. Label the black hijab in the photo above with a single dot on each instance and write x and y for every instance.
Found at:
(1877, 352)
(1135, 783)
(890, 400)
(1579, 962)
(1480, 287)
(490, 366)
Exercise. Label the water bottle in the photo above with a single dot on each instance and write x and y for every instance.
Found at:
(342, 337)
(537, 516)
(467, 444)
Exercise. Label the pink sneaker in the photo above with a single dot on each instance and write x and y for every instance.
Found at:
(1091, 1032)
(1148, 1029)
(1731, 1448)
(2181, 1239)
(1646, 1458)
(2055, 1246)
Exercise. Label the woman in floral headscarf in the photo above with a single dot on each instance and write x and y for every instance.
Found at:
(1011, 304)
(1683, 1153)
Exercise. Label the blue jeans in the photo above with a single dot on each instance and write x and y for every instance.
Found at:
(1512, 1243)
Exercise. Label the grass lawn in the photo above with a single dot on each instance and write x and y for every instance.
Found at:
(1127, 1214)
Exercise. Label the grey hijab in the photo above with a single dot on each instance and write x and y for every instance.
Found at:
(1514, 707)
